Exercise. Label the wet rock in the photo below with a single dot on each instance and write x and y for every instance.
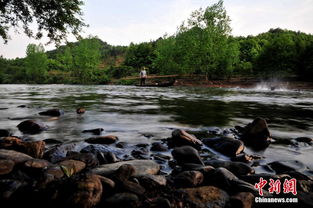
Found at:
(83, 191)
(6, 166)
(142, 167)
(32, 127)
(80, 110)
(140, 153)
(242, 200)
(17, 157)
(243, 157)
(225, 145)
(256, 134)
(37, 163)
(129, 186)
(182, 138)
(107, 184)
(52, 141)
(89, 159)
(159, 202)
(122, 200)
(238, 168)
(109, 139)
(158, 146)
(188, 179)
(4, 133)
(121, 145)
(151, 182)
(124, 172)
(71, 167)
(305, 199)
(94, 131)
(207, 196)
(103, 153)
(22, 106)
(58, 152)
(52, 112)
(285, 166)
(305, 140)
(186, 154)
(227, 181)
(255, 178)
(8, 187)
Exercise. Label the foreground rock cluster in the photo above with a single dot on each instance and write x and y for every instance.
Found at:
(180, 171)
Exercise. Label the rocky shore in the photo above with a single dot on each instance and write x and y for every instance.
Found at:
(179, 171)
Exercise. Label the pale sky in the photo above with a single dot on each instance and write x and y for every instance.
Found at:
(120, 22)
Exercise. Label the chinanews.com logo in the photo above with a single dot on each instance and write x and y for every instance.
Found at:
(276, 187)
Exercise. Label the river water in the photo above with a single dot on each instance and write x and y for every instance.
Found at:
(144, 115)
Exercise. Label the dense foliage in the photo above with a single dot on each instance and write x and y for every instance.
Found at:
(202, 45)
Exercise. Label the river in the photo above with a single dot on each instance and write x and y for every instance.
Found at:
(144, 115)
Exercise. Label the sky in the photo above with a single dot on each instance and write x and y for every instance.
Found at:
(120, 22)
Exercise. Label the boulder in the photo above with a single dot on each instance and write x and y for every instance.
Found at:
(186, 154)
(288, 165)
(59, 152)
(207, 196)
(225, 145)
(71, 167)
(256, 134)
(141, 153)
(52, 112)
(182, 138)
(109, 139)
(8, 187)
(142, 167)
(17, 157)
(242, 200)
(89, 159)
(94, 131)
(305, 140)
(37, 163)
(158, 146)
(32, 127)
(152, 182)
(122, 200)
(188, 179)
(6, 166)
(4, 133)
(80, 110)
(104, 153)
(238, 168)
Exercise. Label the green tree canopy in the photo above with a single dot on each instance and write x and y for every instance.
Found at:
(56, 17)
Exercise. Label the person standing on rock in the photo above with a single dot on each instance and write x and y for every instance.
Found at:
(143, 76)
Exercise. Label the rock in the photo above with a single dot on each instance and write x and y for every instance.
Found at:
(71, 167)
(122, 200)
(6, 166)
(225, 145)
(142, 167)
(22, 106)
(109, 139)
(242, 200)
(159, 202)
(4, 133)
(256, 134)
(140, 153)
(37, 163)
(52, 141)
(182, 138)
(207, 196)
(188, 179)
(52, 112)
(107, 184)
(58, 152)
(186, 154)
(32, 127)
(17, 157)
(305, 199)
(129, 186)
(157, 146)
(103, 153)
(305, 140)
(285, 166)
(83, 191)
(94, 131)
(89, 159)
(124, 172)
(9, 187)
(305, 185)
(151, 182)
(238, 168)
(80, 110)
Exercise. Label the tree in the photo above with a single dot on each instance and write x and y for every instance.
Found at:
(36, 63)
(57, 18)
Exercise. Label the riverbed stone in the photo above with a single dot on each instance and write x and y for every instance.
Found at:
(52, 112)
(287, 165)
(17, 157)
(158, 146)
(94, 131)
(104, 153)
(80, 110)
(4, 133)
(6, 166)
(32, 127)
(122, 200)
(89, 159)
(188, 179)
(72, 166)
(151, 182)
(109, 139)
(207, 196)
(37, 163)
(182, 138)
(242, 200)
(58, 152)
(142, 167)
(225, 145)
(237, 168)
(186, 154)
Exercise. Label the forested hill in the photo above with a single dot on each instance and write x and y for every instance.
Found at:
(203, 47)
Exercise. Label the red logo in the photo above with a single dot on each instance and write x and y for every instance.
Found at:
(289, 186)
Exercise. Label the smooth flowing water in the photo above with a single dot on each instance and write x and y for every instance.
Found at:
(144, 115)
